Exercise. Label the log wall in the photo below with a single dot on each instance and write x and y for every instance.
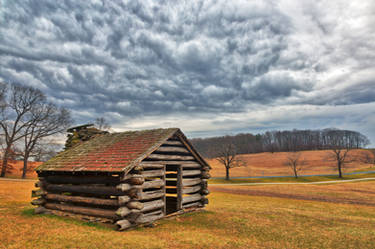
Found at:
(167, 181)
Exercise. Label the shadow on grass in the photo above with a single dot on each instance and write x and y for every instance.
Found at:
(29, 212)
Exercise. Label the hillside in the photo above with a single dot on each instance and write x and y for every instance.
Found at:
(272, 164)
(17, 166)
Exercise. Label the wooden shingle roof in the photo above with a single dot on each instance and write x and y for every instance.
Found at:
(115, 152)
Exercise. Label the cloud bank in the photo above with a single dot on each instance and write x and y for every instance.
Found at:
(210, 67)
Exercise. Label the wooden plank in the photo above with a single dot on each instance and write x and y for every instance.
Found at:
(192, 189)
(146, 165)
(191, 198)
(153, 173)
(191, 182)
(191, 172)
(152, 194)
(88, 189)
(169, 157)
(172, 149)
(179, 187)
(110, 214)
(151, 205)
(81, 199)
(194, 204)
(152, 184)
(193, 165)
(61, 179)
(178, 143)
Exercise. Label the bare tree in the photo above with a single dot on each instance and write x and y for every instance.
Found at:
(341, 157)
(228, 157)
(48, 120)
(295, 163)
(102, 124)
(18, 101)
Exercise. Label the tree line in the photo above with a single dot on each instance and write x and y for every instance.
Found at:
(282, 141)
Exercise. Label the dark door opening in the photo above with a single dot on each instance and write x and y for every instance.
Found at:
(173, 178)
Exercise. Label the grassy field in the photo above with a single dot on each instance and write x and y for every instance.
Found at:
(287, 216)
(272, 164)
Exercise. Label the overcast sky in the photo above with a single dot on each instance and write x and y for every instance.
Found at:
(208, 67)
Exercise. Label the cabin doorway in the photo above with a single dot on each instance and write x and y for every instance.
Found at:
(173, 178)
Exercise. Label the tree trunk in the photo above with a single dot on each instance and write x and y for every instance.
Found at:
(295, 173)
(24, 169)
(339, 168)
(5, 162)
(227, 173)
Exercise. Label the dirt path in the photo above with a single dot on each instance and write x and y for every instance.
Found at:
(291, 183)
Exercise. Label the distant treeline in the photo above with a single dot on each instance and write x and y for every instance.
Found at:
(278, 141)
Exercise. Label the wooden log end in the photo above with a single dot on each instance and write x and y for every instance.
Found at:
(38, 202)
(123, 187)
(41, 210)
(122, 211)
(123, 224)
(135, 205)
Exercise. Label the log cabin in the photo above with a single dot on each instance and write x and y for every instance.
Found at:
(128, 179)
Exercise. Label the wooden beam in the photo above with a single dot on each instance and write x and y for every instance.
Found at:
(146, 219)
(38, 192)
(191, 182)
(152, 184)
(194, 204)
(191, 172)
(176, 143)
(38, 202)
(179, 188)
(135, 205)
(152, 194)
(172, 149)
(123, 211)
(151, 205)
(61, 179)
(169, 157)
(153, 173)
(105, 213)
(192, 189)
(123, 224)
(193, 165)
(85, 200)
(191, 198)
(147, 165)
(88, 189)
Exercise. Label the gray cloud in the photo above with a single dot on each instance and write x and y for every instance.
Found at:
(130, 59)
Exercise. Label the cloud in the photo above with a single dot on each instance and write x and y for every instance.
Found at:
(134, 59)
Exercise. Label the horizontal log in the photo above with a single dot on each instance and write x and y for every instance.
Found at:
(169, 157)
(191, 182)
(193, 189)
(135, 193)
(133, 215)
(135, 205)
(123, 199)
(110, 214)
(161, 163)
(151, 205)
(123, 211)
(157, 212)
(81, 199)
(123, 224)
(136, 180)
(191, 172)
(124, 187)
(153, 184)
(129, 176)
(147, 219)
(191, 198)
(38, 202)
(81, 216)
(192, 164)
(40, 210)
(152, 194)
(205, 175)
(172, 149)
(178, 143)
(194, 204)
(79, 179)
(87, 189)
(205, 192)
(153, 173)
(39, 184)
(38, 192)
(153, 165)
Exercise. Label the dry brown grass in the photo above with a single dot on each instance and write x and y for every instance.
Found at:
(273, 164)
(231, 221)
